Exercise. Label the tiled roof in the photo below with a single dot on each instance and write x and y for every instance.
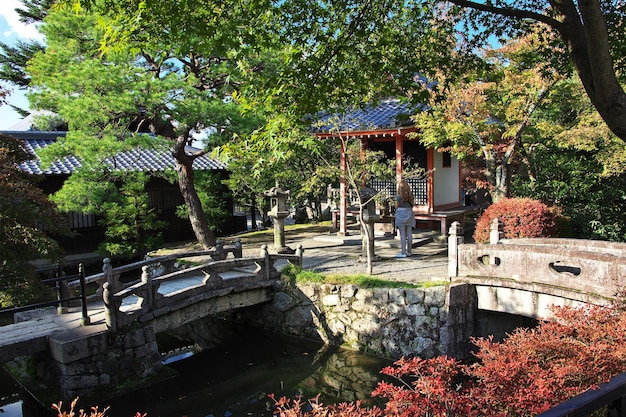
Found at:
(136, 160)
(385, 114)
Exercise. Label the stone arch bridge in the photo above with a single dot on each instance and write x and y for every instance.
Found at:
(526, 276)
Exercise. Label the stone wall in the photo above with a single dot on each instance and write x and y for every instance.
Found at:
(391, 322)
(81, 364)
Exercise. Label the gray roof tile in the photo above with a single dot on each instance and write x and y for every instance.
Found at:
(384, 114)
(136, 160)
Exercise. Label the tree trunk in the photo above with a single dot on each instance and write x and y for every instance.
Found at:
(497, 175)
(368, 240)
(253, 211)
(184, 168)
(501, 182)
(587, 37)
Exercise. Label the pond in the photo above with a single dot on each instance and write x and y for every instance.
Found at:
(235, 378)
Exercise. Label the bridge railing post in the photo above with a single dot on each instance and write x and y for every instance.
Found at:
(110, 306)
(219, 254)
(455, 238)
(146, 279)
(269, 271)
(110, 276)
(496, 233)
(238, 250)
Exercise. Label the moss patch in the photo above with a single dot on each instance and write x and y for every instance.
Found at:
(295, 274)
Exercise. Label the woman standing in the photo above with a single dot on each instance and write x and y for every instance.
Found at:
(405, 220)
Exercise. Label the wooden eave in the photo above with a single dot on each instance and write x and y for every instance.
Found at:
(370, 134)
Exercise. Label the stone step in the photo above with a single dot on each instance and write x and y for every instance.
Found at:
(27, 337)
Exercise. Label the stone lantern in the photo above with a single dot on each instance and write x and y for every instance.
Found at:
(278, 211)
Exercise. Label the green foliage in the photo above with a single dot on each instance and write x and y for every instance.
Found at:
(132, 227)
(520, 217)
(593, 205)
(23, 289)
(346, 53)
(113, 87)
(283, 152)
(578, 168)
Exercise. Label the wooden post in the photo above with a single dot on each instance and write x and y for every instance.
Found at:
(455, 239)
(300, 254)
(343, 203)
(85, 320)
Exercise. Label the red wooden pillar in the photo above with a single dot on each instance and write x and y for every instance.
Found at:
(430, 184)
(399, 153)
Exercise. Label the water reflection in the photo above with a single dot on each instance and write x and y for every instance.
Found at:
(235, 378)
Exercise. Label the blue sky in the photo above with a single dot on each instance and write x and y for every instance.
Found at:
(12, 30)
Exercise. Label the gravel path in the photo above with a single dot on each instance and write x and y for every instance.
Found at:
(414, 269)
(428, 263)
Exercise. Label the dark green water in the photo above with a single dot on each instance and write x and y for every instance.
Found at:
(235, 379)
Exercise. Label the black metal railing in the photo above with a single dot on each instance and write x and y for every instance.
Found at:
(419, 188)
(610, 396)
(62, 295)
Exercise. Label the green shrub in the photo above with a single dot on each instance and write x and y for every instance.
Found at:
(520, 217)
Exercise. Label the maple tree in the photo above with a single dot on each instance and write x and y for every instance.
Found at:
(585, 35)
(27, 222)
(490, 116)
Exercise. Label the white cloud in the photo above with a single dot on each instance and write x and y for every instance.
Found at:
(16, 27)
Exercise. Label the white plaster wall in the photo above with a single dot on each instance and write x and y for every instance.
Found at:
(446, 181)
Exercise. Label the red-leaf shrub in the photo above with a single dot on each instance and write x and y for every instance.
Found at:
(536, 369)
(521, 217)
(428, 388)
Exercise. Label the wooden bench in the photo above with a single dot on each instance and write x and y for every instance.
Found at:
(447, 217)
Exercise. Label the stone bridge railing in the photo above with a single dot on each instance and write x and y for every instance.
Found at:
(164, 264)
(150, 303)
(582, 270)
